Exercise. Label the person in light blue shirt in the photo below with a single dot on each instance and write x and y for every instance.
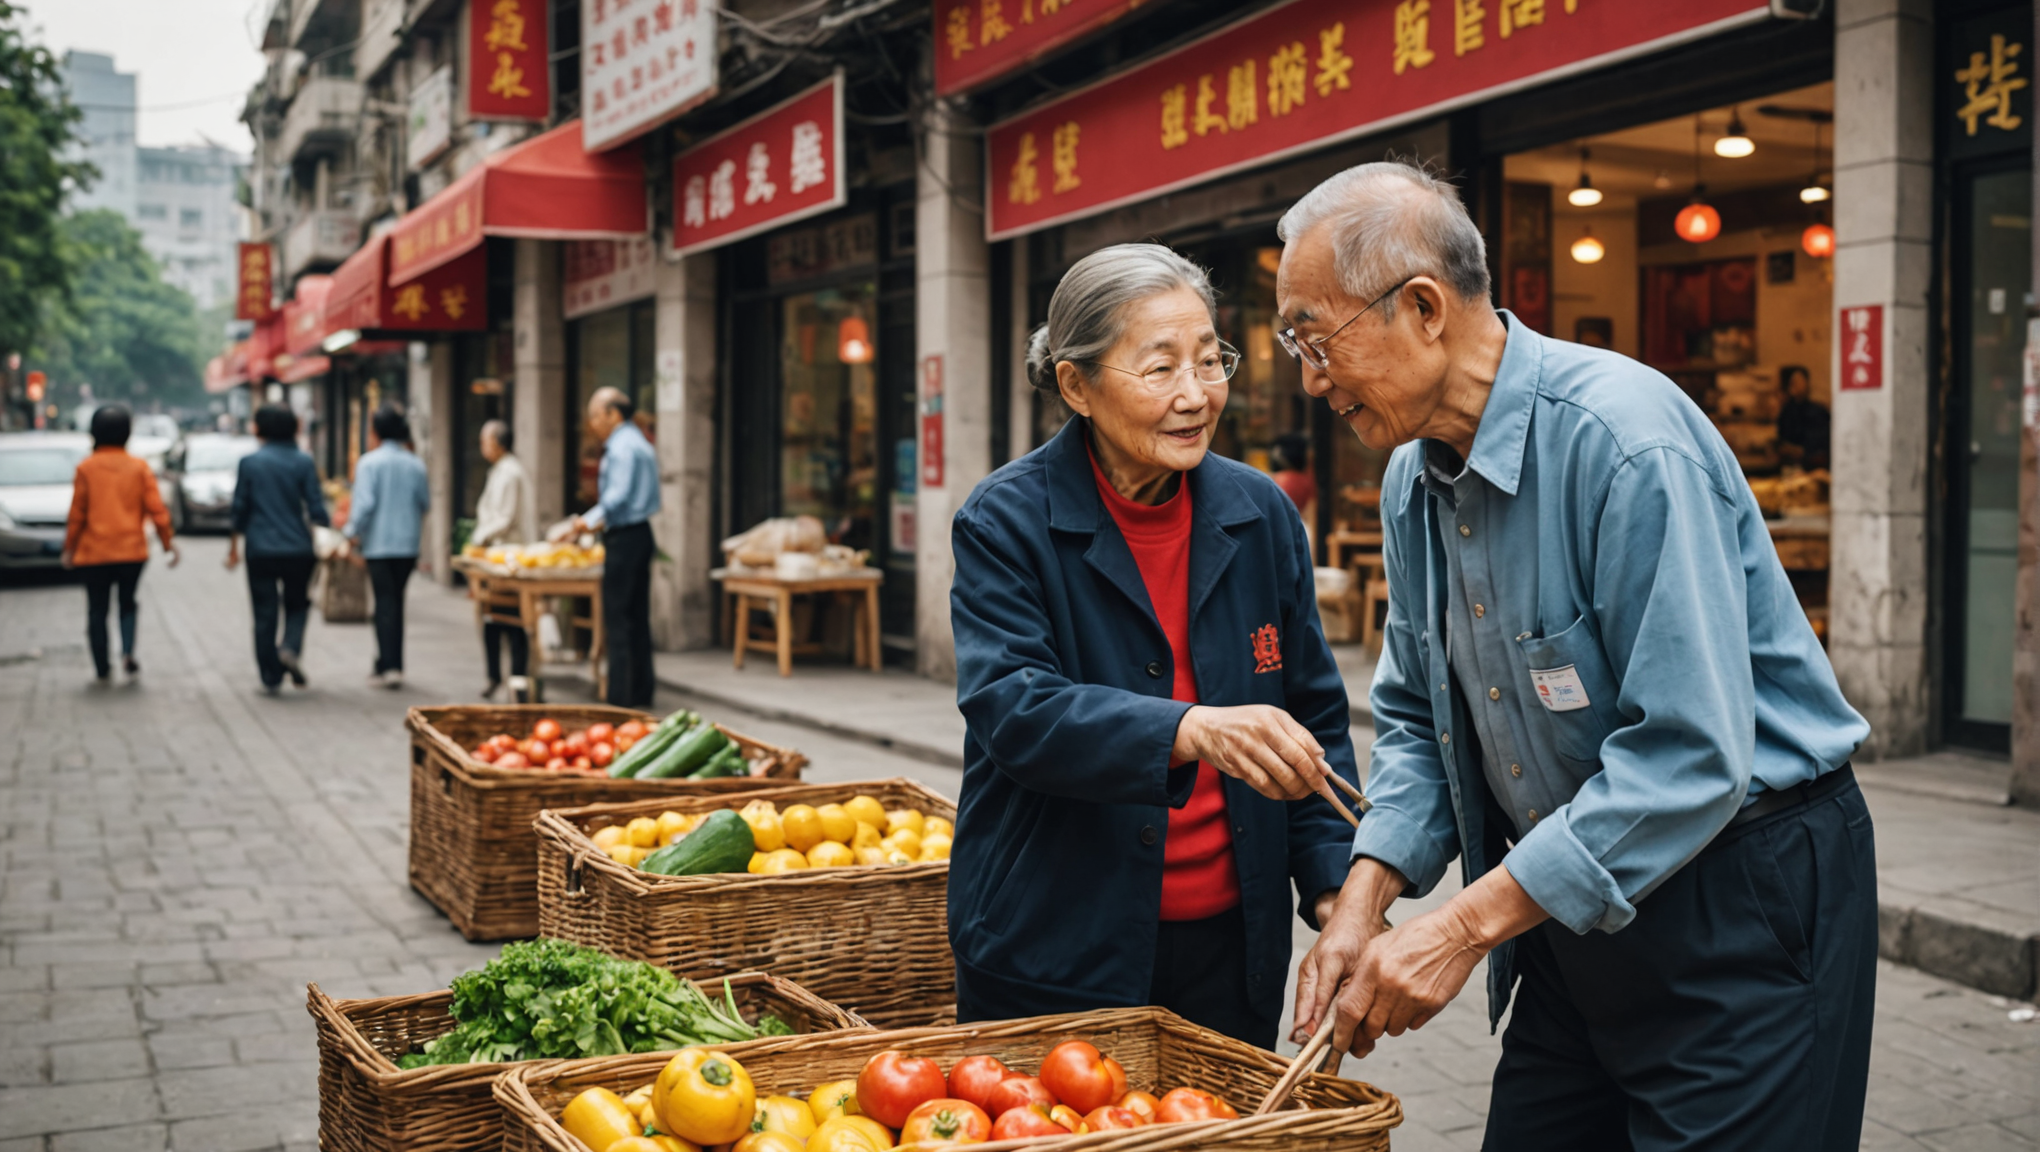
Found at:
(627, 499)
(1596, 676)
(391, 497)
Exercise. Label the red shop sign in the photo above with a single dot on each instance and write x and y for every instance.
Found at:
(255, 294)
(931, 422)
(509, 77)
(782, 165)
(977, 41)
(1862, 330)
(1298, 77)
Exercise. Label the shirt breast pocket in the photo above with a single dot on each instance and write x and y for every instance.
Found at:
(1567, 674)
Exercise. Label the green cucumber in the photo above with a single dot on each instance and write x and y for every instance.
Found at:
(690, 751)
(728, 762)
(654, 742)
(722, 842)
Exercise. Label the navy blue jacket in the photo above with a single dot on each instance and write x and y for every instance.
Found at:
(275, 492)
(1063, 675)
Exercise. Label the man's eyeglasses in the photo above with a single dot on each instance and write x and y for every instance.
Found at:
(1214, 367)
(1312, 351)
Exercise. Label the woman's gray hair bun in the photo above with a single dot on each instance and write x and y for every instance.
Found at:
(1084, 315)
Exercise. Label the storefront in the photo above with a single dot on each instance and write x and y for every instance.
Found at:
(606, 293)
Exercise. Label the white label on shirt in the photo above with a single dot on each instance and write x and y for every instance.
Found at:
(1560, 688)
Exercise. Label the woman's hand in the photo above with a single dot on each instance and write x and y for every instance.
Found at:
(1259, 745)
(175, 556)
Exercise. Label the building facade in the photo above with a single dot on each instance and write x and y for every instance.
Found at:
(106, 130)
(189, 217)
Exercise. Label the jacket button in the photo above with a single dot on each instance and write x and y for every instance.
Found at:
(1148, 835)
(1154, 669)
(1515, 769)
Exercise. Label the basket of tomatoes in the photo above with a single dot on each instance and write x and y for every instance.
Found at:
(477, 783)
(841, 887)
(1124, 1079)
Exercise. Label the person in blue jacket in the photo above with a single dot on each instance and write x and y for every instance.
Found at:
(1153, 710)
(384, 526)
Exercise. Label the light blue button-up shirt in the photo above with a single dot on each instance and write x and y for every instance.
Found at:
(390, 498)
(1642, 663)
(628, 481)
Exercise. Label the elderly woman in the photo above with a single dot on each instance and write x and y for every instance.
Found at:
(1150, 699)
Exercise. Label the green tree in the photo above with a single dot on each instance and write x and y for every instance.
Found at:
(120, 328)
(37, 123)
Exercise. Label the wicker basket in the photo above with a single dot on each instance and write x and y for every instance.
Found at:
(1159, 1049)
(472, 852)
(874, 939)
(366, 1102)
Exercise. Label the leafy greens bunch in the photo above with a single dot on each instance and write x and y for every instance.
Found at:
(551, 999)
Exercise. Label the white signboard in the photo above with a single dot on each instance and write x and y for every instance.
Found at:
(430, 126)
(604, 273)
(642, 63)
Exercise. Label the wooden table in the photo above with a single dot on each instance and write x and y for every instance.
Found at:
(741, 589)
(517, 597)
(1346, 540)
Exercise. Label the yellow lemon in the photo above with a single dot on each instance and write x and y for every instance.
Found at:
(934, 848)
(803, 827)
(672, 826)
(784, 860)
(767, 834)
(895, 856)
(866, 836)
(900, 818)
(643, 832)
(906, 840)
(637, 856)
(621, 854)
(610, 837)
(837, 824)
(757, 863)
(871, 855)
(936, 825)
(830, 854)
(867, 809)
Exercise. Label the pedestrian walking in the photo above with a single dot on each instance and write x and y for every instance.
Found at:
(506, 514)
(1597, 677)
(628, 497)
(276, 501)
(387, 519)
(1149, 696)
(112, 493)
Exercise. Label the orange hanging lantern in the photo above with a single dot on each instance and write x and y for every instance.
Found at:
(1818, 240)
(1698, 223)
(853, 341)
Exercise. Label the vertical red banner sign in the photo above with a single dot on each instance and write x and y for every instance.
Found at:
(509, 77)
(1862, 330)
(978, 41)
(255, 297)
(931, 422)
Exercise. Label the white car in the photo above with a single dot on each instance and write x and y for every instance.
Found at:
(155, 441)
(211, 463)
(36, 473)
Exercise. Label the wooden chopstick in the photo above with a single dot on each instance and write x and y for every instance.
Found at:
(1342, 809)
(1349, 788)
(1300, 1067)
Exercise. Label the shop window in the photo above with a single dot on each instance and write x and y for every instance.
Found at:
(828, 442)
(611, 349)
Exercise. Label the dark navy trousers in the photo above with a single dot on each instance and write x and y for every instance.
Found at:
(1733, 1012)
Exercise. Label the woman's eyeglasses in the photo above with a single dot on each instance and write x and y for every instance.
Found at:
(1312, 351)
(1214, 367)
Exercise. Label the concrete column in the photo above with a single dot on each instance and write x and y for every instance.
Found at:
(952, 329)
(1020, 397)
(2025, 786)
(539, 416)
(1884, 151)
(683, 599)
(432, 401)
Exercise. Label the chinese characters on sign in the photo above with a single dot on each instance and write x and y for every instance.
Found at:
(446, 225)
(1862, 350)
(1297, 76)
(931, 422)
(977, 41)
(642, 63)
(1987, 86)
(604, 273)
(509, 73)
(449, 298)
(779, 166)
(256, 297)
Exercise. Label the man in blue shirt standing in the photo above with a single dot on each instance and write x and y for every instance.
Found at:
(391, 496)
(628, 497)
(1596, 676)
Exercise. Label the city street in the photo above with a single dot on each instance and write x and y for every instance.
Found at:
(182, 855)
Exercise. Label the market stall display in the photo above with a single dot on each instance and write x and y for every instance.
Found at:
(895, 968)
(865, 1090)
(472, 848)
(381, 1088)
(761, 840)
(520, 584)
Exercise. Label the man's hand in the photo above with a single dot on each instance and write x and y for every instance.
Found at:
(233, 553)
(1353, 920)
(1258, 744)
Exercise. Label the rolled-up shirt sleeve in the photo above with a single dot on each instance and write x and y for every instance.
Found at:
(1670, 606)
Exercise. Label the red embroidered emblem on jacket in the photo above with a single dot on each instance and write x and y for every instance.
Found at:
(1267, 649)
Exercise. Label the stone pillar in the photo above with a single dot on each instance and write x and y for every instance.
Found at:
(540, 414)
(2025, 786)
(433, 398)
(1020, 397)
(952, 335)
(1884, 152)
(683, 599)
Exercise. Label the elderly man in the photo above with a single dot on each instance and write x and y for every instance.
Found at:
(1596, 676)
(506, 514)
(627, 499)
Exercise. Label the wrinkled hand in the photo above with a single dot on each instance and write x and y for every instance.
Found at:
(1259, 745)
(1352, 921)
(1404, 977)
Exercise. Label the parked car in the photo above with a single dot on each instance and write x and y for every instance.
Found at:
(205, 474)
(36, 472)
(156, 439)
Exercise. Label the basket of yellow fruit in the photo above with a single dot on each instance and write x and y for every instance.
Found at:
(840, 887)
(569, 560)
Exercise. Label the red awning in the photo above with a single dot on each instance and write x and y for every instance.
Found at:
(262, 347)
(452, 297)
(301, 368)
(546, 188)
(227, 371)
(304, 318)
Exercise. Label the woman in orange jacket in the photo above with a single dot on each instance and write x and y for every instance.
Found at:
(110, 496)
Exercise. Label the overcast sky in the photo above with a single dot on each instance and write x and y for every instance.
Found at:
(194, 59)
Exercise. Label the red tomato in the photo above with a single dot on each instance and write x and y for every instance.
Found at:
(1184, 1104)
(1068, 1117)
(503, 741)
(556, 764)
(893, 1084)
(1112, 1116)
(601, 753)
(947, 1121)
(582, 763)
(1141, 1104)
(974, 1077)
(1117, 1071)
(1077, 1075)
(537, 751)
(635, 729)
(547, 730)
(561, 749)
(512, 760)
(577, 743)
(597, 733)
(486, 753)
(624, 742)
(1017, 1091)
(1026, 1122)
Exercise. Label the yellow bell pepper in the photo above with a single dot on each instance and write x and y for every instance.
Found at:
(599, 1118)
(769, 1142)
(851, 1134)
(784, 1114)
(836, 1098)
(704, 1096)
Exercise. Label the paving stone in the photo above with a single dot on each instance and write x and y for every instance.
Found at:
(132, 1138)
(72, 1107)
(93, 1060)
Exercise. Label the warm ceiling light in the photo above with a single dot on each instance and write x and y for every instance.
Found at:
(1818, 240)
(1698, 222)
(1587, 250)
(1585, 195)
(1814, 194)
(1663, 180)
(1737, 144)
(853, 341)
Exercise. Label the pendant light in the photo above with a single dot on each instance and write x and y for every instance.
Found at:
(1737, 144)
(853, 341)
(1587, 250)
(1585, 195)
(1697, 222)
(1818, 241)
(1815, 191)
